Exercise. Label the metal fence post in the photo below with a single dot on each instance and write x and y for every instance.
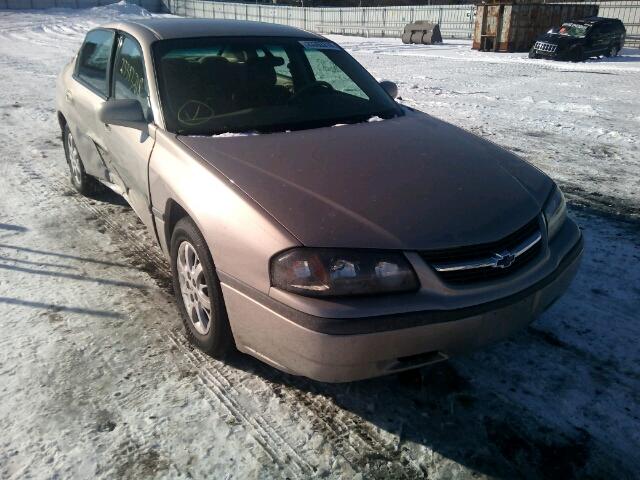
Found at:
(384, 22)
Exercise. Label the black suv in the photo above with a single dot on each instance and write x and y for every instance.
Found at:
(580, 39)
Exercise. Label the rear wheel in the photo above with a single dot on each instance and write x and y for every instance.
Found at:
(83, 183)
(197, 290)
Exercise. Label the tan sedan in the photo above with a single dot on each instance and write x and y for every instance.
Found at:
(310, 220)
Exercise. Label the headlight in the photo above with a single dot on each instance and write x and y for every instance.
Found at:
(555, 211)
(323, 272)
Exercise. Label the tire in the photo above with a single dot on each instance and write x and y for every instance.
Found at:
(532, 53)
(83, 183)
(577, 55)
(194, 280)
(612, 51)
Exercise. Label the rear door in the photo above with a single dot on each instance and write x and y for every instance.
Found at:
(89, 89)
(129, 149)
(598, 39)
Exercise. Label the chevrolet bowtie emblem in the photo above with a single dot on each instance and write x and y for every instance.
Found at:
(503, 260)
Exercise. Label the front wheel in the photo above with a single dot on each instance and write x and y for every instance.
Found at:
(577, 55)
(197, 290)
(83, 183)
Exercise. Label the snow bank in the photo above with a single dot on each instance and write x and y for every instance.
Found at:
(122, 8)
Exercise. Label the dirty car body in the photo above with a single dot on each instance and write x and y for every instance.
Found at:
(578, 40)
(348, 236)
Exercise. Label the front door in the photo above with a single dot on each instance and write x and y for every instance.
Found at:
(129, 149)
(598, 40)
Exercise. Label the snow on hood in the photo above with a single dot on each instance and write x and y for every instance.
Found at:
(233, 134)
(412, 182)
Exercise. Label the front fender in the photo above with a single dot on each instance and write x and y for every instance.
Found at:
(241, 235)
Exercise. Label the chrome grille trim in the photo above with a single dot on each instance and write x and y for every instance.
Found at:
(492, 261)
(545, 47)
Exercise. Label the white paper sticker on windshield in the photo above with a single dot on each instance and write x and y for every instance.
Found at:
(319, 45)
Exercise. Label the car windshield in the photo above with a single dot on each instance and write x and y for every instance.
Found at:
(213, 85)
(573, 30)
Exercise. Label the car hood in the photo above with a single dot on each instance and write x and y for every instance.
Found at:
(560, 40)
(412, 183)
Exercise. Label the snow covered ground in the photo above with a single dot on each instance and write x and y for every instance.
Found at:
(96, 379)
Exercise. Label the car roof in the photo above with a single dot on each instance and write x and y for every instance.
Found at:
(168, 28)
(594, 20)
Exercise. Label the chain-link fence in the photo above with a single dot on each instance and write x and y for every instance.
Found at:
(456, 21)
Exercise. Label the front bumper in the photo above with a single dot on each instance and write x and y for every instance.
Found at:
(302, 344)
(558, 54)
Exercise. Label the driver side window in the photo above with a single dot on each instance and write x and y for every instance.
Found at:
(129, 80)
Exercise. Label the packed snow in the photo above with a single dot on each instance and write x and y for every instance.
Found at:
(97, 380)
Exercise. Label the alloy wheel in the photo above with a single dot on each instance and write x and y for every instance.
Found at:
(194, 288)
(74, 160)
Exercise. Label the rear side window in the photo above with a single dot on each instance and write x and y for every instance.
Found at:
(129, 80)
(612, 27)
(93, 60)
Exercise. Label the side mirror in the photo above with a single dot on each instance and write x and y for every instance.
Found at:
(390, 87)
(125, 112)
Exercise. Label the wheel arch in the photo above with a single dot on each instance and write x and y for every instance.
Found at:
(173, 213)
(62, 121)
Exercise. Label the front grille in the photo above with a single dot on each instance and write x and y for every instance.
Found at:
(470, 264)
(545, 47)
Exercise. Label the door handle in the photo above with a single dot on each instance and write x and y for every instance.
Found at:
(68, 96)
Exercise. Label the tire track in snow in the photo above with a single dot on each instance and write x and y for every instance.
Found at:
(350, 436)
(269, 438)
